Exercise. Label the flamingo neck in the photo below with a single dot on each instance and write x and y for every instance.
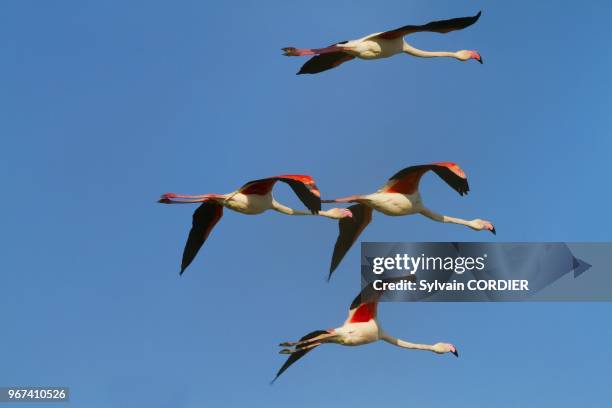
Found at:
(172, 198)
(409, 49)
(445, 218)
(405, 344)
(286, 210)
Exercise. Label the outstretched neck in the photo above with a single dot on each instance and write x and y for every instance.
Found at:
(286, 210)
(405, 344)
(409, 49)
(334, 213)
(445, 218)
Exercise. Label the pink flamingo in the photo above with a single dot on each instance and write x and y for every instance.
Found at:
(400, 196)
(382, 45)
(361, 327)
(252, 198)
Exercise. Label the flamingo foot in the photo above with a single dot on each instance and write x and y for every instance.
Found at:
(295, 52)
(167, 198)
(290, 52)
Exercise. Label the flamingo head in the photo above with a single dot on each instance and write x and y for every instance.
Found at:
(482, 225)
(465, 55)
(442, 348)
(337, 213)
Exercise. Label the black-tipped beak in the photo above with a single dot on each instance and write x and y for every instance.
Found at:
(480, 60)
(456, 353)
(493, 231)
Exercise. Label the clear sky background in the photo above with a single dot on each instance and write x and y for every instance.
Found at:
(106, 105)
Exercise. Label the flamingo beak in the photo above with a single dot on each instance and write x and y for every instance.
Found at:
(493, 231)
(455, 352)
(476, 55)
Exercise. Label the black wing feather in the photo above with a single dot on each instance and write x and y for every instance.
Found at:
(310, 200)
(349, 231)
(404, 172)
(204, 219)
(306, 196)
(441, 26)
(323, 62)
(459, 184)
(298, 354)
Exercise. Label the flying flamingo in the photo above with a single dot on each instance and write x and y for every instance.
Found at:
(361, 327)
(400, 196)
(254, 197)
(382, 45)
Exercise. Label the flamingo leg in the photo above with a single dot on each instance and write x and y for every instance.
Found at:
(170, 198)
(305, 348)
(300, 52)
(169, 201)
(320, 338)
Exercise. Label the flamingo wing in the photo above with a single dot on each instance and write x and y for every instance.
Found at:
(364, 306)
(205, 217)
(324, 62)
(305, 188)
(406, 181)
(299, 354)
(349, 230)
(441, 26)
(302, 185)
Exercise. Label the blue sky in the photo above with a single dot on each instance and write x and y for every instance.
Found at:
(106, 105)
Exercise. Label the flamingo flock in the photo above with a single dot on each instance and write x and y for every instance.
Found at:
(399, 196)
